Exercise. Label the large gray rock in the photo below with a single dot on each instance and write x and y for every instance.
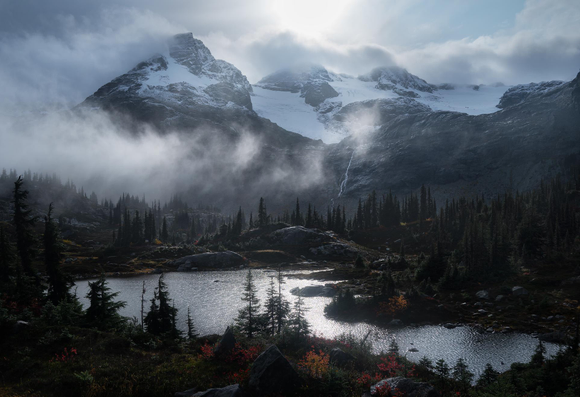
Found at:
(340, 358)
(298, 235)
(226, 344)
(216, 260)
(335, 249)
(407, 387)
(272, 374)
(314, 290)
(483, 294)
(228, 391)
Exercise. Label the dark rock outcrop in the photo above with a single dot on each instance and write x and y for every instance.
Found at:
(226, 344)
(314, 290)
(215, 260)
(340, 358)
(407, 387)
(298, 235)
(272, 374)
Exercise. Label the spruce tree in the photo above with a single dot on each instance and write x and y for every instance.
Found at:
(58, 283)
(283, 306)
(191, 331)
(164, 233)
(247, 320)
(23, 224)
(161, 317)
(6, 258)
(298, 322)
(103, 310)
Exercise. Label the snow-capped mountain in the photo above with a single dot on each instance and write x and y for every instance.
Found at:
(396, 131)
(310, 100)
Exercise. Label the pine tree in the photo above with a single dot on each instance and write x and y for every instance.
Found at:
(103, 310)
(462, 375)
(161, 317)
(262, 213)
(298, 322)
(488, 376)
(58, 283)
(283, 306)
(23, 224)
(164, 233)
(247, 320)
(191, 331)
(6, 258)
(271, 306)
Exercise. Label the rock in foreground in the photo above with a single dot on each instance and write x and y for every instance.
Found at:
(272, 374)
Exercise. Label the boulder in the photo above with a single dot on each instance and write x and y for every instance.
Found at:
(298, 235)
(228, 391)
(216, 260)
(396, 323)
(519, 291)
(314, 290)
(335, 249)
(272, 374)
(340, 358)
(226, 344)
(483, 294)
(499, 298)
(406, 387)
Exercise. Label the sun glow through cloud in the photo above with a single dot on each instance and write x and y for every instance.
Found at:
(309, 17)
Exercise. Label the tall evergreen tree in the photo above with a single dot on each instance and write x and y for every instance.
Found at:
(58, 283)
(23, 224)
(103, 310)
(247, 320)
(164, 233)
(161, 317)
(6, 257)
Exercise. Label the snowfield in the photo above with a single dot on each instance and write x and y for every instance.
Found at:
(290, 112)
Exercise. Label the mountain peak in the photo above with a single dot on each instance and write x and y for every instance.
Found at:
(388, 77)
(190, 52)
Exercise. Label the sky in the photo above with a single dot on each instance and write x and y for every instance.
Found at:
(61, 51)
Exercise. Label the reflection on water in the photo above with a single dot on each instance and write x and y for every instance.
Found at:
(214, 300)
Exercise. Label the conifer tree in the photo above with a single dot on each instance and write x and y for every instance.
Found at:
(164, 233)
(262, 213)
(6, 258)
(247, 320)
(298, 322)
(191, 331)
(58, 283)
(23, 224)
(103, 310)
(161, 317)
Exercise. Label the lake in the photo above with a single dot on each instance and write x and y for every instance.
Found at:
(214, 299)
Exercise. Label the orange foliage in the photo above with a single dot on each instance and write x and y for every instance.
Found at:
(316, 365)
(394, 306)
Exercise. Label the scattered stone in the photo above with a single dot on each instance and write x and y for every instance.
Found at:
(449, 325)
(483, 294)
(478, 304)
(19, 327)
(271, 374)
(482, 311)
(340, 358)
(413, 350)
(519, 291)
(407, 387)
(396, 323)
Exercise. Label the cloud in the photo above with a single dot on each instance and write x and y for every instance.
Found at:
(37, 68)
(543, 45)
(92, 149)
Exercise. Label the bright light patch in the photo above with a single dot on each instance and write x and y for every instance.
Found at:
(308, 17)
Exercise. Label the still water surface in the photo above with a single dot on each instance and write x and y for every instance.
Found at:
(214, 301)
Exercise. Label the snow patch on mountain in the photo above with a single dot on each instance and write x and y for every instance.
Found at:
(280, 98)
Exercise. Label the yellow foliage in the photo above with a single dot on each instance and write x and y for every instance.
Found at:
(316, 365)
(395, 305)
